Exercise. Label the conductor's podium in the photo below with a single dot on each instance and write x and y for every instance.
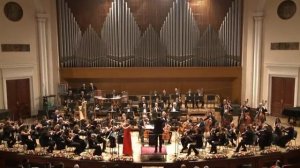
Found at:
(148, 154)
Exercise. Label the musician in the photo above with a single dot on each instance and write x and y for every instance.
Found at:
(80, 144)
(185, 139)
(93, 144)
(165, 97)
(26, 139)
(44, 138)
(112, 137)
(129, 112)
(189, 98)
(144, 110)
(261, 111)
(101, 133)
(264, 137)
(57, 137)
(127, 146)
(157, 131)
(84, 88)
(174, 107)
(8, 133)
(210, 117)
(142, 102)
(247, 139)
(217, 138)
(155, 96)
(141, 125)
(91, 88)
(288, 134)
(232, 134)
(197, 138)
(199, 98)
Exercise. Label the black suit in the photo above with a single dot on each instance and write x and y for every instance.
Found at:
(159, 124)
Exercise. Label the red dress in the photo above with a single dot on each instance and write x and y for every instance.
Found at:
(127, 148)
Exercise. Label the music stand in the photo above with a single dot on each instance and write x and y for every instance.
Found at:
(174, 116)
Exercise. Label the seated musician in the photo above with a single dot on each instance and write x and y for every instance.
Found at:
(27, 140)
(232, 134)
(176, 93)
(69, 141)
(144, 110)
(129, 112)
(84, 89)
(189, 100)
(217, 138)
(101, 135)
(142, 102)
(91, 88)
(199, 101)
(264, 137)
(197, 139)
(141, 125)
(57, 137)
(155, 96)
(165, 98)
(112, 137)
(211, 117)
(156, 108)
(288, 134)
(44, 138)
(174, 107)
(8, 133)
(247, 139)
(186, 136)
(93, 144)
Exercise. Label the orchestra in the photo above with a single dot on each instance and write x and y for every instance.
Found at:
(154, 117)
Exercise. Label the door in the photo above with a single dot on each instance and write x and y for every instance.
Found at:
(18, 98)
(282, 94)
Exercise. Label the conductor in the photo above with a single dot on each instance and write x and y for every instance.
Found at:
(159, 124)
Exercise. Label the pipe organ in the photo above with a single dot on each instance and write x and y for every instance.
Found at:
(121, 42)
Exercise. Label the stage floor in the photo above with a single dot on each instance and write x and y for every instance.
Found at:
(175, 147)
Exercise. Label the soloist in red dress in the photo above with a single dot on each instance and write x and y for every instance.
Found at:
(127, 148)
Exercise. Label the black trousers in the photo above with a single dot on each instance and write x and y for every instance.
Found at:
(158, 137)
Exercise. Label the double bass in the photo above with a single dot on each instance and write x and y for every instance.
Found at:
(166, 133)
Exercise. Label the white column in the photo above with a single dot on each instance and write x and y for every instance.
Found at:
(42, 51)
(257, 54)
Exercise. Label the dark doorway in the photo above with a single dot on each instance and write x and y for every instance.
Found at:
(18, 98)
(282, 94)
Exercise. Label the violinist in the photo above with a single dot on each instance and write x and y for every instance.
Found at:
(247, 139)
(27, 140)
(57, 137)
(264, 137)
(197, 140)
(80, 143)
(288, 134)
(93, 144)
(232, 134)
(8, 133)
(101, 133)
(218, 137)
